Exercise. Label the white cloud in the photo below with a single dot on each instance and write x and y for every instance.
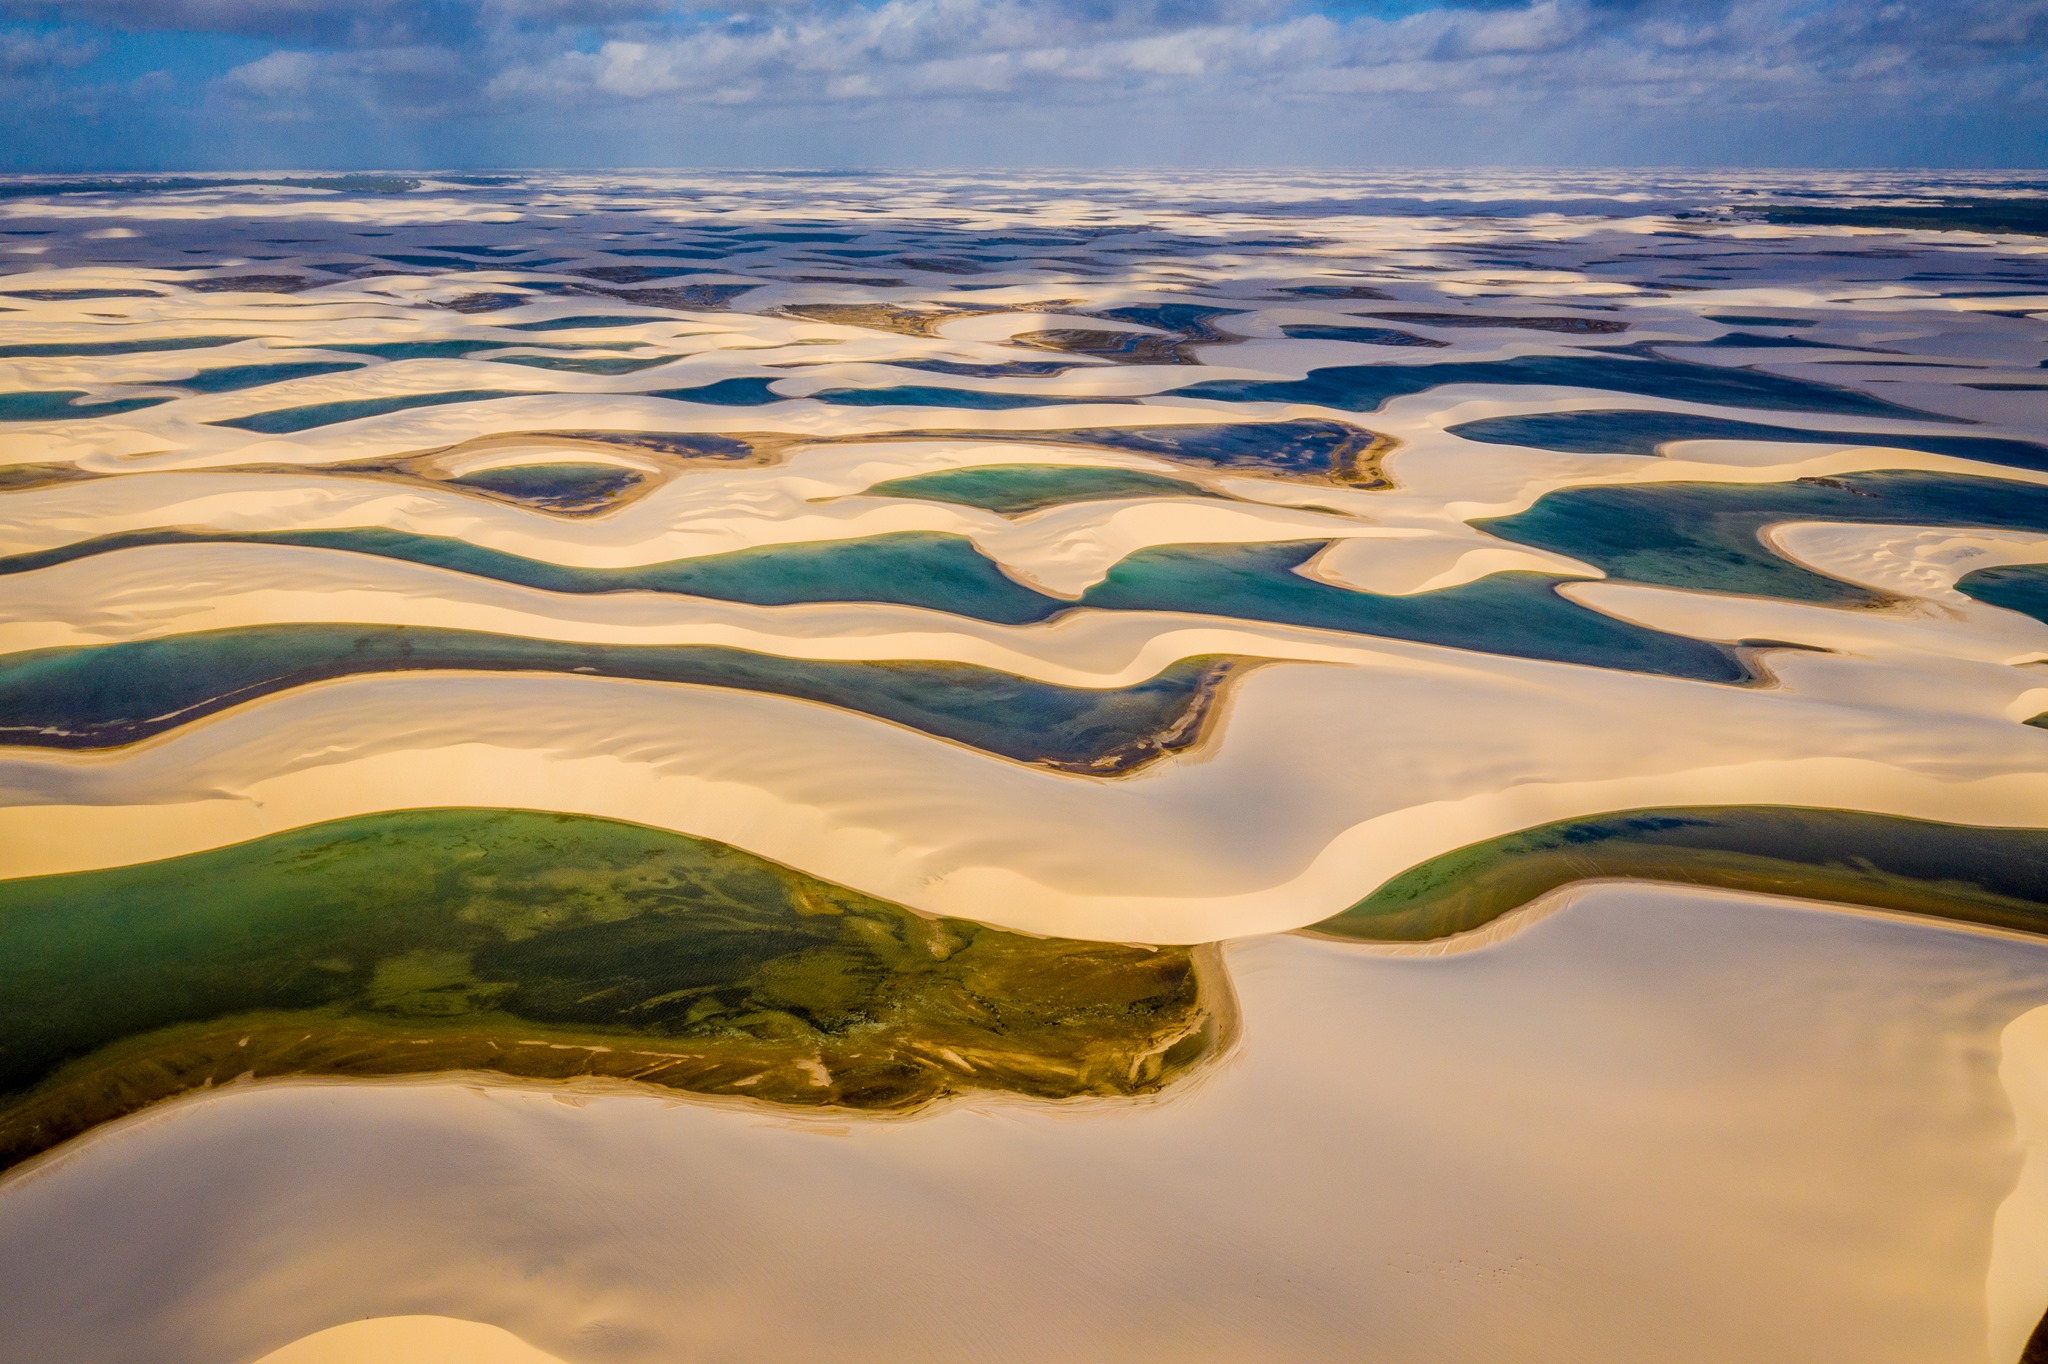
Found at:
(1103, 61)
(1650, 53)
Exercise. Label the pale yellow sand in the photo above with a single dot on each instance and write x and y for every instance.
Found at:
(2018, 1289)
(410, 1340)
(1667, 1126)
(1915, 561)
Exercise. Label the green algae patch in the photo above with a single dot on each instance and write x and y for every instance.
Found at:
(552, 947)
(1967, 873)
(1016, 489)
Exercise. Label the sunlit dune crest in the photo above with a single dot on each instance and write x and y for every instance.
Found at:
(410, 1340)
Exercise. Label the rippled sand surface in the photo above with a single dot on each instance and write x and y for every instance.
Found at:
(1133, 562)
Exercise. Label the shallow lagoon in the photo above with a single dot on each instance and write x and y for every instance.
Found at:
(1366, 388)
(119, 693)
(1645, 432)
(1705, 535)
(1518, 614)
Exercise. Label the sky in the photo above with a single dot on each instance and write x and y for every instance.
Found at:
(310, 84)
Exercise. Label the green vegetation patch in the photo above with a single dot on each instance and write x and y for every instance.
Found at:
(1014, 489)
(1948, 871)
(551, 947)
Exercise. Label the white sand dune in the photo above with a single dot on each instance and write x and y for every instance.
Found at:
(1909, 561)
(410, 1340)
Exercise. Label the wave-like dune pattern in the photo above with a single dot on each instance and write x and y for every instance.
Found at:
(851, 643)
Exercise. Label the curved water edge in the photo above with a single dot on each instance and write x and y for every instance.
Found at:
(102, 696)
(1519, 614)
(1709, 536)
(1646, 431)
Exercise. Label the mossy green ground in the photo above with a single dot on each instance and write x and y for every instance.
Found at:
(551, 947)
(1950, 871)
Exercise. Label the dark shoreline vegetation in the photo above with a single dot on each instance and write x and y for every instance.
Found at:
(553, 947)
(1520, 615)
(1996, 877)
(1706, 536)
(100, 696)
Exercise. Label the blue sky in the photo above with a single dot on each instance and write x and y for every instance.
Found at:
(195, 84)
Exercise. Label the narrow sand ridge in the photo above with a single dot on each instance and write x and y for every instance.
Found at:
(1639, 1129)
(1302, 802)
